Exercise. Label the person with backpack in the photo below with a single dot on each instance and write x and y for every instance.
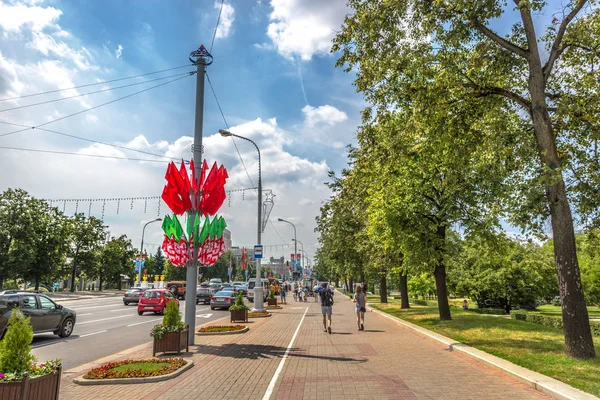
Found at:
(360, 299)
(326, 306)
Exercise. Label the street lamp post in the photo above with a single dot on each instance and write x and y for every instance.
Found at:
(295, 244)
(301, 244)
(142, 248)
(258, 287)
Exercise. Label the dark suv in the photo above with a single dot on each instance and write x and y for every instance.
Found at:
(45, 314)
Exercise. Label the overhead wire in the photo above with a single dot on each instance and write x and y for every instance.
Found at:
(93, 108)
(216, 27)
(95, 83)
(237, 150)
(79, 154)
(94, 92)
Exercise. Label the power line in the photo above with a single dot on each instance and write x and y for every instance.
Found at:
(95, 141)
(94, 92)
(236, 148)
(94, 84)
(93, 108)
(216, 27)
(79, 154)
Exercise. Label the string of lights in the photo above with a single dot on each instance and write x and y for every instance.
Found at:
(124, 201)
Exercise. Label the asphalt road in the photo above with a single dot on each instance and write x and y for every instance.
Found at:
(105, 326)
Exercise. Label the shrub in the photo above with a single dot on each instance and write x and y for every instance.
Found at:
(15, 349)
(239, 303)
(418, 302)
(494, 311)
(553, 322)
(171, 321)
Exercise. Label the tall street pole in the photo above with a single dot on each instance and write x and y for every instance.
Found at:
(295, 243)
(201, 58)
(259, 305)
(142, 249)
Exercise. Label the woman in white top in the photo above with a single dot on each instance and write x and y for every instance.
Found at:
(360, 299)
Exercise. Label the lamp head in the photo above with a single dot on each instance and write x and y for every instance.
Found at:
(224, 132)
(280, 219)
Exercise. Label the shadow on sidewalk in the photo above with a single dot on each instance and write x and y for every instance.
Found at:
(255, 352)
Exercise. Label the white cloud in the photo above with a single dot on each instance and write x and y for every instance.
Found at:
(323, 114)
(304, 28)
(47, 44)
(226, 21)
(118, 52)
(16, 16)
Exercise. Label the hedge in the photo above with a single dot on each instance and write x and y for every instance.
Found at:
(423, 302)
(553, 322)
(494, 311)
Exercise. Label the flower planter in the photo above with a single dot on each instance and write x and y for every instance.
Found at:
(239, 315)
(171, 342)
(44, 387)
(272, 302)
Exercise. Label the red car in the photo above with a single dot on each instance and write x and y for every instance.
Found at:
(155, 300)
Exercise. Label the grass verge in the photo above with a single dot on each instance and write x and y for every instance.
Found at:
(222, 328)
(529, 345)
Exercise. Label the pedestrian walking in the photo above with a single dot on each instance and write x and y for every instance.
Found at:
(315, 292)
(344, 289)
(283, 294)
(305, 293)
(360, 299)
(300, 294)
(326, 295)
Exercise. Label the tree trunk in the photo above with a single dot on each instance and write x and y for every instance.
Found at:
(351, 284)
(440, 277)
(119, 282)
(100, 280)
(362, 274)
(73, 270)
(1, 283)
(578, 335)
(404, 290)
(383, 295)
(37, 282)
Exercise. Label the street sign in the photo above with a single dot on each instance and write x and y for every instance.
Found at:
(258, 251)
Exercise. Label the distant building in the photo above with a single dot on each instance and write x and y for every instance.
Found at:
(278, 267)
(227, 239)
(237, 252)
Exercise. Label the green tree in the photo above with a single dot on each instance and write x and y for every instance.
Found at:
(548, 82)
(115, 259)
(85, 235)
(173, 273)
(504, 273)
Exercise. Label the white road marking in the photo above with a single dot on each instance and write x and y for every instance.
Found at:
(87, 308)
(90, 334)
(145, 322)
(204, 316)
(121, 310)
(269, 391)
(83, 315)
(103, 319)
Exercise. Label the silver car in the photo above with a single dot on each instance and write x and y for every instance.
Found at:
(223, 299)
(133, 296)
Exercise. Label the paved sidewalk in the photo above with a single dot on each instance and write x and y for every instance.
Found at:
(385, 361)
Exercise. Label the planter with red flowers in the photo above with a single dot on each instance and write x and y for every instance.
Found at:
(221, 330)
(21, 377)
(135, 371)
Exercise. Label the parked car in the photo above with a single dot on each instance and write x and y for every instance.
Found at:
(133, 295)
(229, 286)
(203, 295)
(204, 285)
(155, 300)
(217, 281)
(177, 288)
(45, 315)
(222, 300)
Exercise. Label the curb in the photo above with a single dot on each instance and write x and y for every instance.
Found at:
(535, 380)
(124, 381)
(246, 329)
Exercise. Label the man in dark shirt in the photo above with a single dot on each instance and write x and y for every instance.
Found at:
(326, 306)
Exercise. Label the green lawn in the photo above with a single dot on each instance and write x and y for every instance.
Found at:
(549, 309)
(144, 366)
(532, 346)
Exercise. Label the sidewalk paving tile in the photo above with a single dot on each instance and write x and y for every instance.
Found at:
(385, 361)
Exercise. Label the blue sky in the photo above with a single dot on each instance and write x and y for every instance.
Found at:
(272, 72)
